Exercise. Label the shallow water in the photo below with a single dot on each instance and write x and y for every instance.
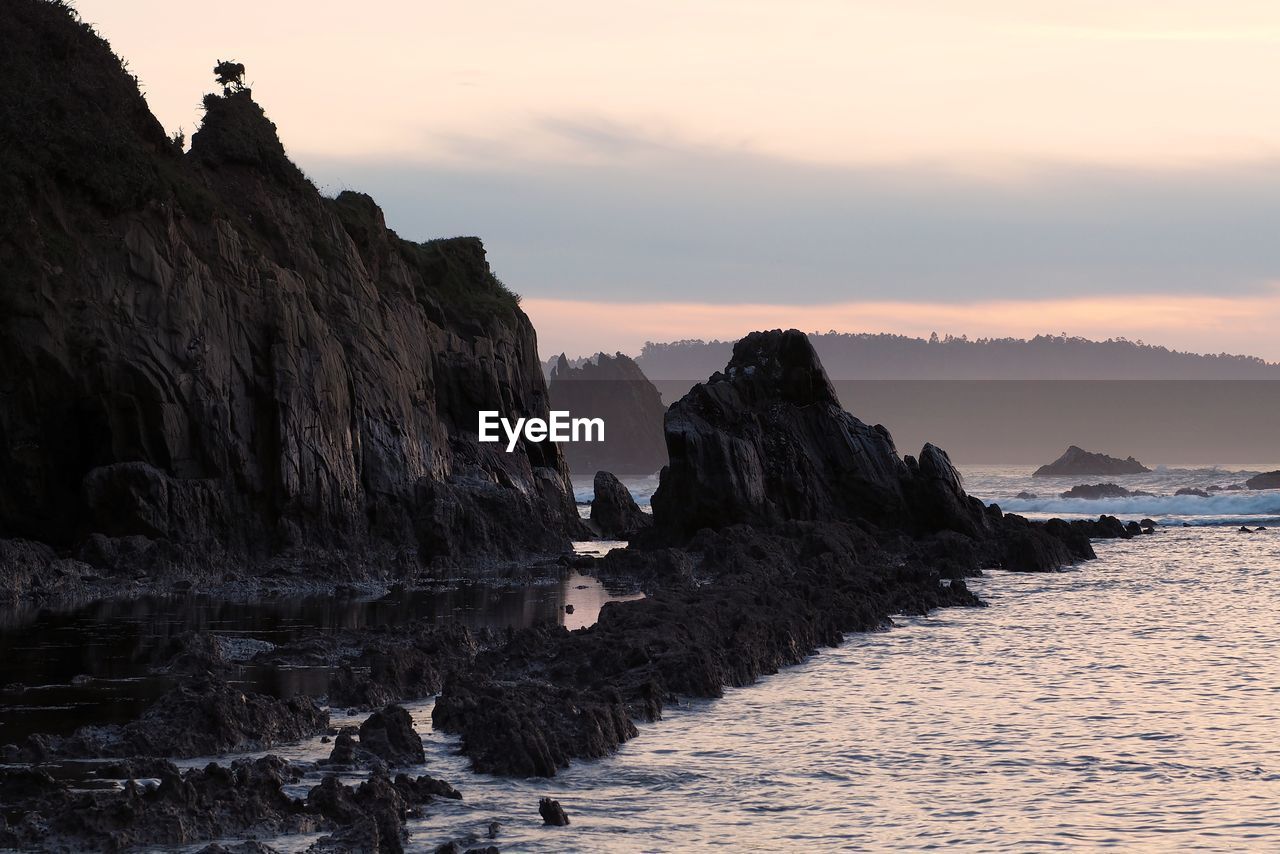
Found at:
(1224, 506)
(1132, 702)
(99, 663)
(1002, 484)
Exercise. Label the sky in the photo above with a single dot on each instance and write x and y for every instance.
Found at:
(660, 170)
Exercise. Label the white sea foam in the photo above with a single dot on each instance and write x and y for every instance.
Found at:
(1218, 509)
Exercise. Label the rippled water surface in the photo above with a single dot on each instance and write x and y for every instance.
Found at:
(1131, 703)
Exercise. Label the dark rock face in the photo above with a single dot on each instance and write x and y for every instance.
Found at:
(1077, 461)
(1102, 490)
(766, 441)
(1187, 490)
(615, 389)
(202, 351)
(1269, 480)
(614, 513)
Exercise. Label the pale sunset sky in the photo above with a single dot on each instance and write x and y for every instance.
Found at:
(660, 170)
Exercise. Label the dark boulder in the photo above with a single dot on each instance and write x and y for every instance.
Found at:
(1102, 490)
(1269, 480)
(552, 813)
(1192, 491)
(1077, 461)
(614, 513)
(389, 735)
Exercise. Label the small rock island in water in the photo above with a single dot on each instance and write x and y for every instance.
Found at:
(1078, 461)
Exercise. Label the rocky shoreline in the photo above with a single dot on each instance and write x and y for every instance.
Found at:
(758, 587)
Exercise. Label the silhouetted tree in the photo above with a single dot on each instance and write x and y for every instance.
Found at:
(230, 75)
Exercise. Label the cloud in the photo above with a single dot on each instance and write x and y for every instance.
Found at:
(596, 212)
(1237, 324)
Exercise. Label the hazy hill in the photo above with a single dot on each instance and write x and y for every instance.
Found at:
(868, 356)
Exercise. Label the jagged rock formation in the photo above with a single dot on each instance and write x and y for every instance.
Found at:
(203, 359)
(781, 523)
(766, 441)
(1077, 461)
(615, 389)
(614, 513)
(245, 798)
(1268, 480)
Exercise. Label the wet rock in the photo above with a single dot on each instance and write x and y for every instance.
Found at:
(186, 807)
(204, 717)
(389, 735)
(1026, 496)
(249, 847)
(376, 666)
(1190, 490)
(1269, 480)
(1034, 550)
(1077, 461)
(344, 750)
(614, 513)
(1102, 490)
(552, 813)
(421, 789)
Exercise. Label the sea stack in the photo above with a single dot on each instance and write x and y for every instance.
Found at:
(1077, 461)
(766, 441)
(612, 388)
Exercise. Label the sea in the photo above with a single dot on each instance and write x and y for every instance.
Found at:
(1128, 703)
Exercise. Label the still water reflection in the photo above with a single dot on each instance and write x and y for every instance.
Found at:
(100, 663)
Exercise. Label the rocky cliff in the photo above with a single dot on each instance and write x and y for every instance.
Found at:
(202, 357)
(614, 389)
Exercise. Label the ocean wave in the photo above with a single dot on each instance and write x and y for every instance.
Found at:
(1224, 507)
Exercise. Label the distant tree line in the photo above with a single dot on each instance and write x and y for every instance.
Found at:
(864, 355)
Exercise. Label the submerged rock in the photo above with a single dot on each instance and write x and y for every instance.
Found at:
(1077, 461)
(614, 513)
(1192, 491)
